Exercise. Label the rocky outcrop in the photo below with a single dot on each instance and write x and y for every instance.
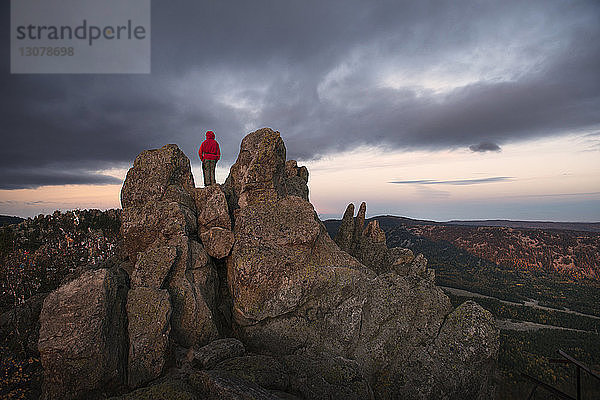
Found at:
(296, 179)
(159, 175)
(218, 241)
(465, 351)
(230, 373)
(258, 176)
(157, 200)
(293, 290)
(83, 341)
(320, 377)
(192, 321)
(160, 217)
(312, 318)
(155, 224)
(219, 350)
(214, 224)
(152, 267)
(369, 247)
(220, 385)
(275, 234)
(164, 389)
(212, 208)
(149, 313)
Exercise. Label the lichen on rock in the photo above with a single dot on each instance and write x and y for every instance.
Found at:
(148, 314)
(291, 295)
(83, 340)
(160, 214)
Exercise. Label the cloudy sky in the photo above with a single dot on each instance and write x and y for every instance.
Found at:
(427, 109)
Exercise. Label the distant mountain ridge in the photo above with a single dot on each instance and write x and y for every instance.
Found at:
(504, 223)
(572, 226)
(569, 249)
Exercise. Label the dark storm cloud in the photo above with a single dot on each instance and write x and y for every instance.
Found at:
(34, 178)
(312, 70)
(484, 146)
(562, 97)
(459, 182)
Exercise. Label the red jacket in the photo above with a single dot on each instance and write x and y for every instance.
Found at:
(209, 149)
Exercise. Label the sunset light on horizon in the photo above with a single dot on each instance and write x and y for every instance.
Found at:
(518, 182)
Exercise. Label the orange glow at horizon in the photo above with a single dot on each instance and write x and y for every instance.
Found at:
(546, 168)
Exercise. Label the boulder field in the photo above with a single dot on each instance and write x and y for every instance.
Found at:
(236, 291)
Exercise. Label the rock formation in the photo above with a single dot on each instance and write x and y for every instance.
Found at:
(294, 291)
(369, 247)
(159, 215)
(312, 318)
(149, 312)
(83, 340)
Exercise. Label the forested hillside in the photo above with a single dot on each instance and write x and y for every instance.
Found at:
(537, 283)
(36, 254)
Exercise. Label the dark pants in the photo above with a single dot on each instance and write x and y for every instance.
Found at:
(208, 169)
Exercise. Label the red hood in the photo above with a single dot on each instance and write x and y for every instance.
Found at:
(210, 135)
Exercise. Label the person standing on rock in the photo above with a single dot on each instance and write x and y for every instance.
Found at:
(209, 153)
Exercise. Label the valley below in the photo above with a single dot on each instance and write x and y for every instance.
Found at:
(520, 273)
